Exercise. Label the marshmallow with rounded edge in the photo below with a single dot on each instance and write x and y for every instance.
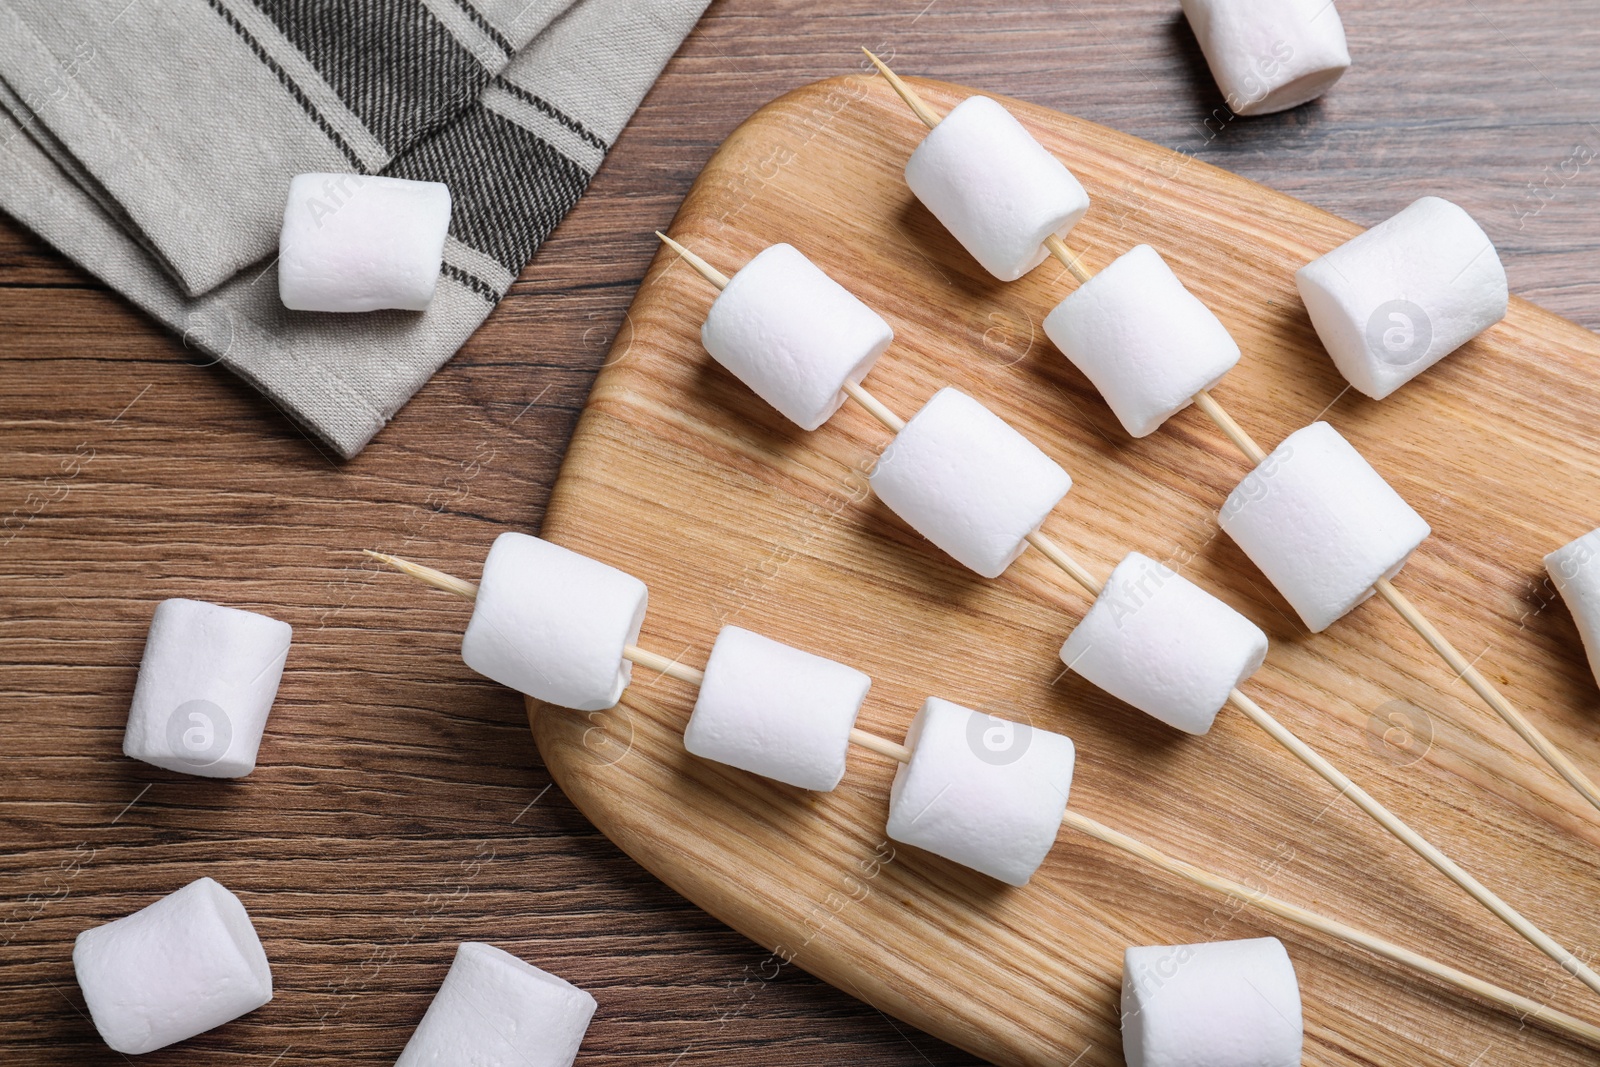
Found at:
(358, 242)
(793, 335)
(206, 684)
(1575, 571)
(1322, 525)
(1221, 1004)
(1147, 343)
(1161, 643)
(996, 189)
(494, 1010)
(775, 711)
(187, 963)
(553, 624)
(981, 790)
(1269, 55)
(968, 482)
(1391, 302)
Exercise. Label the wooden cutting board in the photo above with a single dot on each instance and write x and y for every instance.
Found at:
(731, 515)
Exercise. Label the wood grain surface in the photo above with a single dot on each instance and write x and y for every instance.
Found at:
(401, 806)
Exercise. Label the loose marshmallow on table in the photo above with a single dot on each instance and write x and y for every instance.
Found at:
(1391, 302)
(968, 482)
(1322, 525)
(187, 963)
(1143, 339)
(494, 1010)
(1575, 570)
(553, 624)
(1221, 1004)
(793, 335)
(996, 189)
(206, 684)
(358, 242)
(1164, 645)
(775, 711)
(982, 791)
(1269, 55)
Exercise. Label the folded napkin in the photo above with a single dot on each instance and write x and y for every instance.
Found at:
(153, 141)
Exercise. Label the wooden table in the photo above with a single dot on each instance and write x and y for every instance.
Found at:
(400, 806)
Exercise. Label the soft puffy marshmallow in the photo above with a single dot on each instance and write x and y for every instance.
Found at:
(206, 683)
(980, 790)
(1147, 343)
(1164, 645)
(189, 962)
(1575, 570)
(793, 335)
(553, 624)
(1322, 525)
(1269, 55)
(1397, 299)
(494, 1010)
(995, 188)
(358, 242)
(1221, 1004)
(968, 482)
(775, 711)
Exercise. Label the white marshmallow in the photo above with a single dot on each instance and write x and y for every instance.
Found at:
(1147, 343)
(187, 963)
(980, 790)
(1222, 1004)
(1269, 55)
(996, 189)
(968, 482)
(1322, 525)
(1576, 574)
(494, 1010)
(358, 242)
(775, 711)
(553, 624)
(1161, 643)
(206, 684)
(1391, 302)
(793, 335)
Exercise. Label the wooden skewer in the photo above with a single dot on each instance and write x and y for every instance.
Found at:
(1517, 1004)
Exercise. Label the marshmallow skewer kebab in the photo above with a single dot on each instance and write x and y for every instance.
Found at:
(1464, 669)
(903, 754)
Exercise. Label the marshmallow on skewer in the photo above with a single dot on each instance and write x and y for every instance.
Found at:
(775, 711)
(1322, 525)
(996, 189)
(968, 482)
(1269, 55)
(1163, 644)
(553, 624)
(1221, 1004)
(984, 792)
(1147, 343)
(1576, 573)
(1391, 302)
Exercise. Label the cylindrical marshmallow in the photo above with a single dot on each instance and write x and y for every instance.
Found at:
(1147, 343)
(187, 963)
(1161, 643)
(206, 684)
(1220, 1004)
(981, 790)
(996, 189)
(494, 1010)
(775, 711)
(1322, 525)
(968, 482)
(553, 624)
(358, 242)
(1391, 302)
(1575, 570)
(793, 335)
(1269, 55)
